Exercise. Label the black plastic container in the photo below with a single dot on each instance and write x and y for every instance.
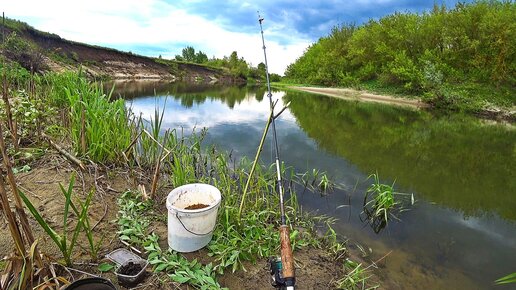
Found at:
(94, 283)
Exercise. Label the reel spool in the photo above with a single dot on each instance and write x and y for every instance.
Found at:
(276, 271)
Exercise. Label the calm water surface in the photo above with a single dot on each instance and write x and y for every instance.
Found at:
(460, 234)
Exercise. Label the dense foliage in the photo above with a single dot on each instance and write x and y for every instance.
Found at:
(188, 54)
(443, 54)
(235, 65)
(22, 52)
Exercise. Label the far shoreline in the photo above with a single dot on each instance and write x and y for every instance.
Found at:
(351, 94)
(496, 114)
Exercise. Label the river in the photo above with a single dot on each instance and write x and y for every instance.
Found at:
(460, 233)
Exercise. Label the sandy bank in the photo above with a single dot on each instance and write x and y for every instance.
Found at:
(350, 94)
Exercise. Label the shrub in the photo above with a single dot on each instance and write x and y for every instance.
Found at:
(19, 50)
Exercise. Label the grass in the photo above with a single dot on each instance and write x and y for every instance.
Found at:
(381, 203)
(233, 242)
(103, 122)
(110, 131)
(511, 278)
(67, 240)
(357, 277)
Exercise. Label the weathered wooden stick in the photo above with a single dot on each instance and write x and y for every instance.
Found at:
(156, 176)
(11, 220)
(156, 141)
(64, 152)
(156, 170)
(142, 190)
(10, 124)
(132, 144)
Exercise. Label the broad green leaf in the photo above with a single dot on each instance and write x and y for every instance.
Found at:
(105, 267)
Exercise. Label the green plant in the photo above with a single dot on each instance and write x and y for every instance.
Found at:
(85, 222)
(178, 268)
(356, 277)
(337, 248)
(380, 203)
(63, 241)
(23, 52)
(107, 130)
(106, 267)
(511, 278)
(132, 224)
(134, 219)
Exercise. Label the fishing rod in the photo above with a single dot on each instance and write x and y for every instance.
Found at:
(282, 269)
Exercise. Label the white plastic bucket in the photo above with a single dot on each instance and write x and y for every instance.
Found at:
(190, 230)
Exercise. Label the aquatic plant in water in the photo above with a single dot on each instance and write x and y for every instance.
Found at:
(356, 278)
(381, 203)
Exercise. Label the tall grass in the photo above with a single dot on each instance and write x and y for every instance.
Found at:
(107, 125)
(67, 240)
(107, 130)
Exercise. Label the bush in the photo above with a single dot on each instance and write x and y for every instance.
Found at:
(403, 71)
(19, 50)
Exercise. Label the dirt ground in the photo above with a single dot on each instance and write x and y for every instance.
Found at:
(315, 269)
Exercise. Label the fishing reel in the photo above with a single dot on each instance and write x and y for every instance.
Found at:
(277, 280)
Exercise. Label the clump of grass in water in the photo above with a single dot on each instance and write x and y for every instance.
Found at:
(356, 278)
(381, 203)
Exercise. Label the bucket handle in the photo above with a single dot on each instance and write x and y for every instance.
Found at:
(193, 233)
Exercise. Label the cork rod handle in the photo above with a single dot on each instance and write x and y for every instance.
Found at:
(286, 253)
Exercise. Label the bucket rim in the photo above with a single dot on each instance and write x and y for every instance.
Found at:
(170, 206)
(91, 280)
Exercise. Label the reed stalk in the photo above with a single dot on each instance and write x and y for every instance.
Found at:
(255, 162)
(83, 127)
(10, 122)
(18, 203)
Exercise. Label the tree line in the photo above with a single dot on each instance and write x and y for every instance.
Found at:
(445, 54)
(235, 65)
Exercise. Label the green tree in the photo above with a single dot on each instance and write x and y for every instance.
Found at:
(188, 54)
(201, 57)
(460, 50)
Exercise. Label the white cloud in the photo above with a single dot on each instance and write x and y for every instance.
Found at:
(210, 113)
(153, 23)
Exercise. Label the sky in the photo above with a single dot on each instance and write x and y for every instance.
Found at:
(165, 27)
